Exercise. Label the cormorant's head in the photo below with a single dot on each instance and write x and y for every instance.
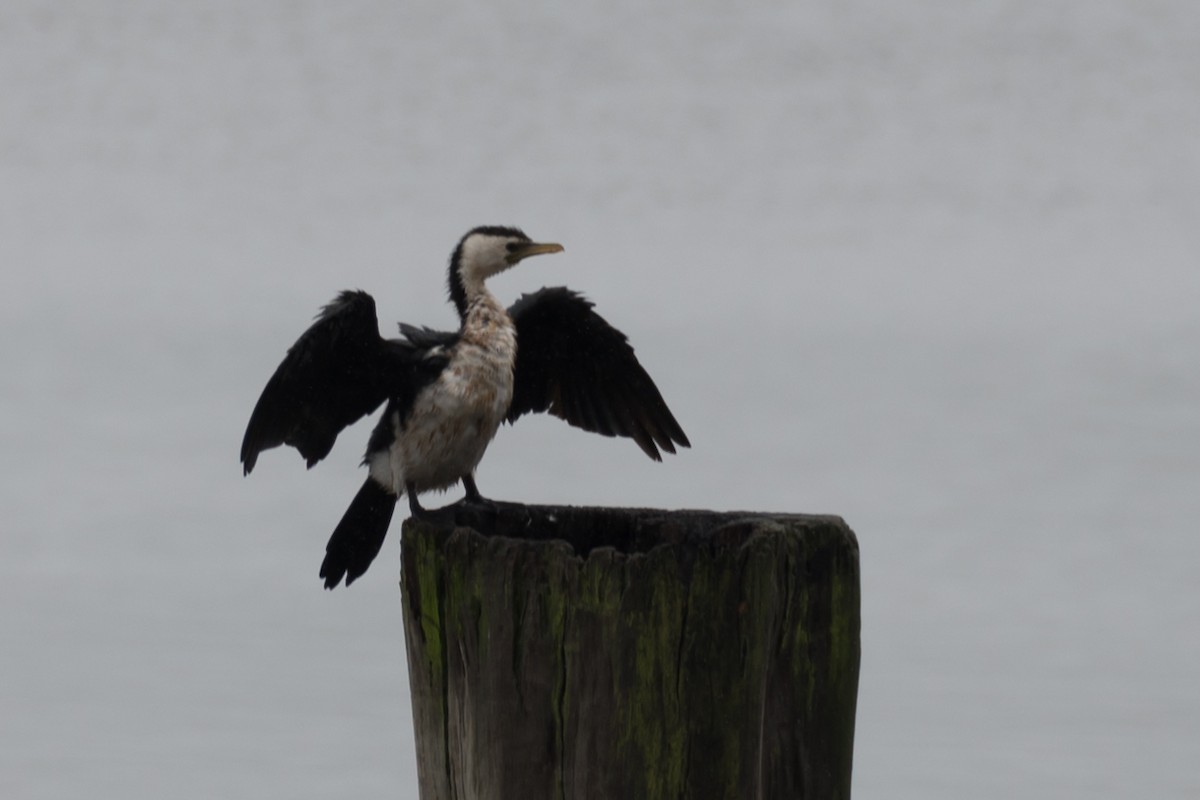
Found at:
(485, 251)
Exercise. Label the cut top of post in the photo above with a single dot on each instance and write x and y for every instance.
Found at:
(627, 530)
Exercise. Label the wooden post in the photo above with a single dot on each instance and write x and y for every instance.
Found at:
(559, 652)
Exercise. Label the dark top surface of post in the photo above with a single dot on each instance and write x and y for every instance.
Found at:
(569, 652)
(627, 530)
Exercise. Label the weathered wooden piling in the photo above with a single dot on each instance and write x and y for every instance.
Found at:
(559, 652)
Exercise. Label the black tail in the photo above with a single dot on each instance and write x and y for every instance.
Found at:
(357, 538)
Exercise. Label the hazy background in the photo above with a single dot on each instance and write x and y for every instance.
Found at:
(931, 266)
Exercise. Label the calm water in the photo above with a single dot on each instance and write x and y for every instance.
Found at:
(929, 267)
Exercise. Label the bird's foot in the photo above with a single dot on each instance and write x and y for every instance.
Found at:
(414, 506)
(473, 495)
(474, 498)
(479, 503)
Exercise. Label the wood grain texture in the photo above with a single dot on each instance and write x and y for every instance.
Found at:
(562, 652)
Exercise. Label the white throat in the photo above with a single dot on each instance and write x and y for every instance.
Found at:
(482, 257)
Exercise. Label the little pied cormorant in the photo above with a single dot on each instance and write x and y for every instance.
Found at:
(448, 392)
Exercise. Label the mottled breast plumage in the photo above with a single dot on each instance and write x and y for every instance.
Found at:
(455, 418)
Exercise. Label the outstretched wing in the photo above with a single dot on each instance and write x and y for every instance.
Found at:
(575, 365)
(337, 371)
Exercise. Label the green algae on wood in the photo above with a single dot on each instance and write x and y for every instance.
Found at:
(631, 653)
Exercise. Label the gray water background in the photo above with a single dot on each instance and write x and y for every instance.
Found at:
(930, 266)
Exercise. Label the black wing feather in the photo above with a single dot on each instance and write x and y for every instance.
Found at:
(428, 338)
(573, 364)
(339, 370)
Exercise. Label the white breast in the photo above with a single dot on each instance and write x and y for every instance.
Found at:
(454, 418)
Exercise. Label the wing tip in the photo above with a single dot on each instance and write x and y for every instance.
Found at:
(678, 436)
(249, 458)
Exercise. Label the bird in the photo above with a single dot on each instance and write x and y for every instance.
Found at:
(446, 393)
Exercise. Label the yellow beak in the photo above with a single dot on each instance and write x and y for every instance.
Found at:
(522, 251)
